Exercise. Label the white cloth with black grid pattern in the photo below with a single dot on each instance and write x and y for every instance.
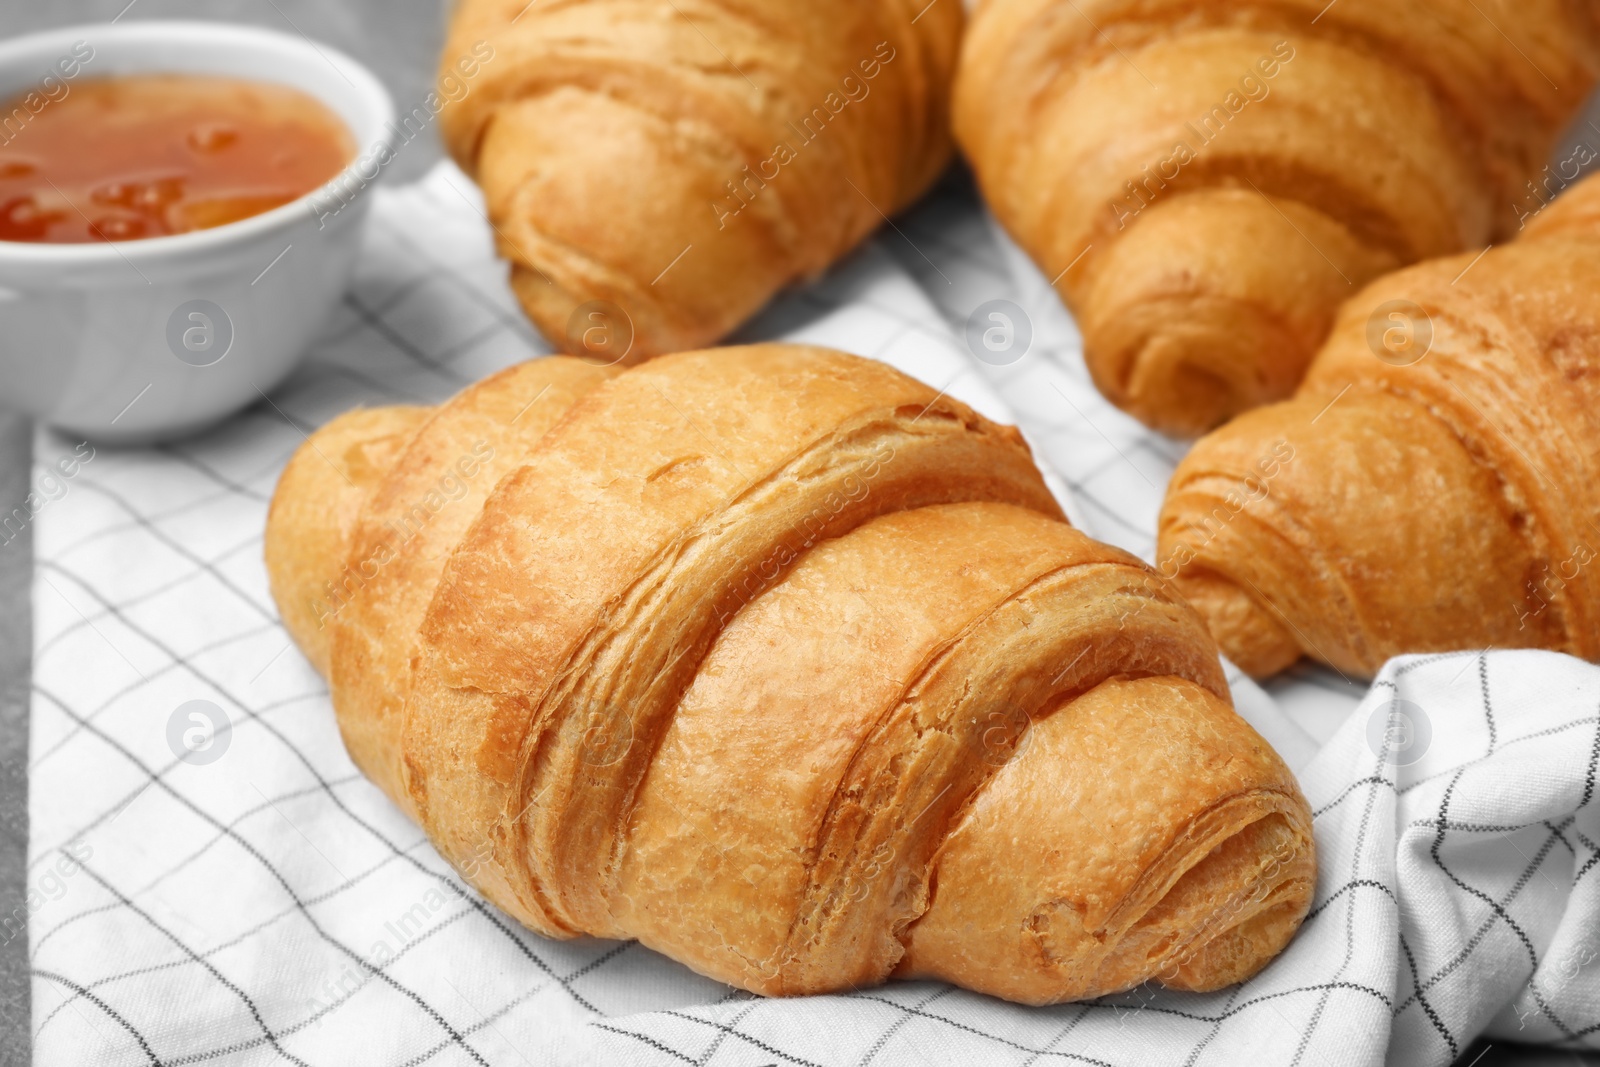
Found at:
(272, 906)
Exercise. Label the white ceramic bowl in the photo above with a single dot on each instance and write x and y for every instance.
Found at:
(103, 339)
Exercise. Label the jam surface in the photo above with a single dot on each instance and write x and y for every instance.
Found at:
(118, 159)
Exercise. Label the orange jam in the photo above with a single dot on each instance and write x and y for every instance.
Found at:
(117, 159)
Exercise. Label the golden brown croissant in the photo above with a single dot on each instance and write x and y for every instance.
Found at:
(683, 161)
(1436, 483)
(785, 665)
(1208, 180)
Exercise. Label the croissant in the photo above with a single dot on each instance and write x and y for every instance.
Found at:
(1434, 486)
(656, 170)
(788, 667)
(1207, 181)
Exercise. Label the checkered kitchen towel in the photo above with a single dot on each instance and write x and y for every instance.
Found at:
(269, 905)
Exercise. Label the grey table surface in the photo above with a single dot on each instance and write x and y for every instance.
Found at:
(399, 40)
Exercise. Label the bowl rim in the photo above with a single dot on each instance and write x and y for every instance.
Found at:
(369, 93)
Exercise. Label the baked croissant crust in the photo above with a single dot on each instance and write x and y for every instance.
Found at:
(666, 166)
(1434, 486)
(1206, 181)
(782, 664)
